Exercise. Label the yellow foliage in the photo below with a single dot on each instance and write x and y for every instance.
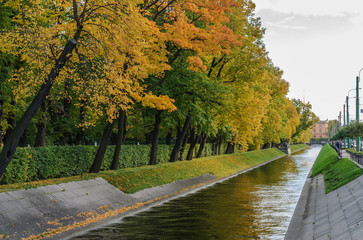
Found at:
(159, 102)
(116, 49)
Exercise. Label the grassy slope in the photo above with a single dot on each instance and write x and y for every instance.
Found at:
(326, 157)
(336, 172)
(134, 179)
(297, 147)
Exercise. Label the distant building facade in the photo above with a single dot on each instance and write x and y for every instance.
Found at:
(320, 129)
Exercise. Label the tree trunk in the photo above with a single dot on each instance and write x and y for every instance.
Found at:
(230, 148)
(41, 126)
(96, 166)
(179, 139)
(66, 101)
(193, 143)
(12, 142)
(266, 145)
(1, 117)
(219, 144)
(11, 121)
(119, 141)
(202, 144)
(79, 139)
(182, 148)
(168, 138)
(66, 138)
(23, 140)
(149, 137)
(214, 145)
(124, 129)
(155, 139)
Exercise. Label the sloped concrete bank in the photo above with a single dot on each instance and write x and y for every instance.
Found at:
(63, 210)
(337, 215)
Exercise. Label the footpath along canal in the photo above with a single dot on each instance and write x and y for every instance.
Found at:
(258, 204)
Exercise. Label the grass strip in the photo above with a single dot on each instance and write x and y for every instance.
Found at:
(340, 173)
(131, 180)
(298, 147)
(336, 172)
(326, 157)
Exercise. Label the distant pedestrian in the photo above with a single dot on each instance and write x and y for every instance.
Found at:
(339, 145)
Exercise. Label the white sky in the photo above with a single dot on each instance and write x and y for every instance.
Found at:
(319, 46)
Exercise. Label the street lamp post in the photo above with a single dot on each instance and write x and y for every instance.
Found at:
(347, 103)
(344, 115)
(348, 140)
(357, 107)
(357, 110)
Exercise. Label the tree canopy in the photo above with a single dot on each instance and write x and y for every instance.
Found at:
(192, 71)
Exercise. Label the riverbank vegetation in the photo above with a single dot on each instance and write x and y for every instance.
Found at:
(140, 72)
(30, 164)
(131, 180)
(336, 172)
(297, 147)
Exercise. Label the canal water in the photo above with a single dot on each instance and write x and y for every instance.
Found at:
(258, 204)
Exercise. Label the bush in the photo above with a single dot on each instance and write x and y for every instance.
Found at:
(29, 164)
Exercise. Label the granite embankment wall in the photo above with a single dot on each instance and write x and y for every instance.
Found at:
(62, 210)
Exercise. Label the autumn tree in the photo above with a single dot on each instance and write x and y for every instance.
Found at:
(197, 28)
(8, 63)
(50, 36)
(243, 72)
(307, 118)
(281, 118)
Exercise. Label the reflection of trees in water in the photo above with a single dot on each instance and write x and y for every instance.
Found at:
(226, 210)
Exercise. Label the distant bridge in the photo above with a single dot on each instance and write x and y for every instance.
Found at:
(317, 143)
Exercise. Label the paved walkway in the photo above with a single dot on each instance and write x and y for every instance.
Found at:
(337, 215)
(345, 154)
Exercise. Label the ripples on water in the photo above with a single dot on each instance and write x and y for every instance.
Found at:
(256, 205)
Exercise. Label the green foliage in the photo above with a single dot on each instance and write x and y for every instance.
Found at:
(5, 16)
(354, 151)
(22, 168)
(353, 130)
(30, 164)
(307, 119)
(135, 179)
(336, 172)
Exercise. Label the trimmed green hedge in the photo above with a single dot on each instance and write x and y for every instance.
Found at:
(29, 164)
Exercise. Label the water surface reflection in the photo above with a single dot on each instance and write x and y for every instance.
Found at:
(255, 205)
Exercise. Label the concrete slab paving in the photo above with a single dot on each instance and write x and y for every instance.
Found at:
(337, 215)
(24, 213)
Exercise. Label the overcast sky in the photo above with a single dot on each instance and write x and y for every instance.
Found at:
(319, 46)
